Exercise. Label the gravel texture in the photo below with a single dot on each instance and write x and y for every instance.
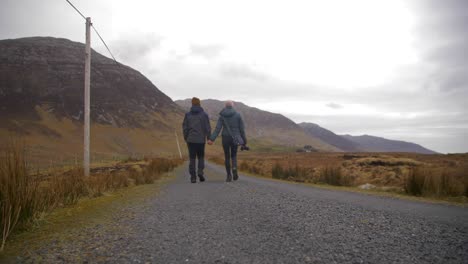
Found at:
(263, 221)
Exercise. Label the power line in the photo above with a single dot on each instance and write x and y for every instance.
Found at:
(95, 30)
(81, 14)
(103, 42)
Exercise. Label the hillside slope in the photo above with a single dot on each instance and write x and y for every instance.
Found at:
(378, 144)
(265, 128)
(330, 137)
(363, 143)
(41, 100)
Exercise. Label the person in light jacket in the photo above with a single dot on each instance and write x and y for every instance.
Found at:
(232, 137)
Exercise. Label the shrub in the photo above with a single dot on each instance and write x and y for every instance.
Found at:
(295, 173)
(333, 175)
(153, 171)
(69, 187)
(18, 191)
(136, 176)
(414, 181)
(244, 166)
(438, 182)
(97, 184)
(384, 161)
(277, 171)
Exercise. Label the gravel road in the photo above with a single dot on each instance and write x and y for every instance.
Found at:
(256, 220)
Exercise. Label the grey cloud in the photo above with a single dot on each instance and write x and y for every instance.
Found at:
(134, 47)
(242, 72)
(207, 51)
(334, 105)
(449, 80)
(449, 53)
(440, 20)
(443, 41)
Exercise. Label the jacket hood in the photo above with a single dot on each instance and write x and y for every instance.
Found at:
(196, 109)
(228, 112)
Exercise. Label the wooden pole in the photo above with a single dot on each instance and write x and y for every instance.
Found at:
(87, 81)
(178, 145)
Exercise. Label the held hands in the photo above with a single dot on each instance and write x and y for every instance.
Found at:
(210, 142)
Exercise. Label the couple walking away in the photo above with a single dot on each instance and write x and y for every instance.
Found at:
(197, 132)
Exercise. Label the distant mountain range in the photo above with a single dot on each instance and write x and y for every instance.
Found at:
(41, 100)
(364, 143)
(377, 144)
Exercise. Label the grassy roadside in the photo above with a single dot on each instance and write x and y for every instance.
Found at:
(25, 198)
(446, 200)
(434, 178)
(64, 224)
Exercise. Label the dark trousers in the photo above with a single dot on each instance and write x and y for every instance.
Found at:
(196, 151)
(230, 153)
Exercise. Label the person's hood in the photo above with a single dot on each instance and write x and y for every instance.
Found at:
(228, 112)
(196, 109)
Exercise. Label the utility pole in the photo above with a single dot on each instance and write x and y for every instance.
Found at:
(87, 96)
(178, 145)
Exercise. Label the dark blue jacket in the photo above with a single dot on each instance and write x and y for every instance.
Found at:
(234, 120)
(196, 125)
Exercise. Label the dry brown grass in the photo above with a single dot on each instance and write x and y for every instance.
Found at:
(387, 161)
(217, 160)
(18, 191)
(334, 175)
(25, 196)
(152, 171)
(254, 168)
(437, 182)
(442, 176)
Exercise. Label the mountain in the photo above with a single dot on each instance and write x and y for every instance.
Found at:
(41, 100)
(330, 137)
(378, 144)
(264, 128)
(363, 143)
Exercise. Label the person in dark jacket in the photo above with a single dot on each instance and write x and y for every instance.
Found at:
(197, 129)
(233, 135)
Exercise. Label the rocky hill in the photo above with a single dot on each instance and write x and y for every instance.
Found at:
(264, 127)
(41, 99)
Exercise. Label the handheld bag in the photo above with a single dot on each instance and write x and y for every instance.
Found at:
(237, 139)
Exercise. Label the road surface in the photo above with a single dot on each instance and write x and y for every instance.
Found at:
(257, 220)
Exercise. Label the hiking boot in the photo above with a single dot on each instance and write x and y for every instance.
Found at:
(193, 179)
(234, 173)
(201, 177)
(229, 178)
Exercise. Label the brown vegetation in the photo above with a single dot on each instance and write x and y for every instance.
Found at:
(438, 182)
(294, 173)
(333, 175)
(24, 196)
(438, 176)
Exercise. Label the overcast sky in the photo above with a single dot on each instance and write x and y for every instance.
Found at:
(396, 69)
